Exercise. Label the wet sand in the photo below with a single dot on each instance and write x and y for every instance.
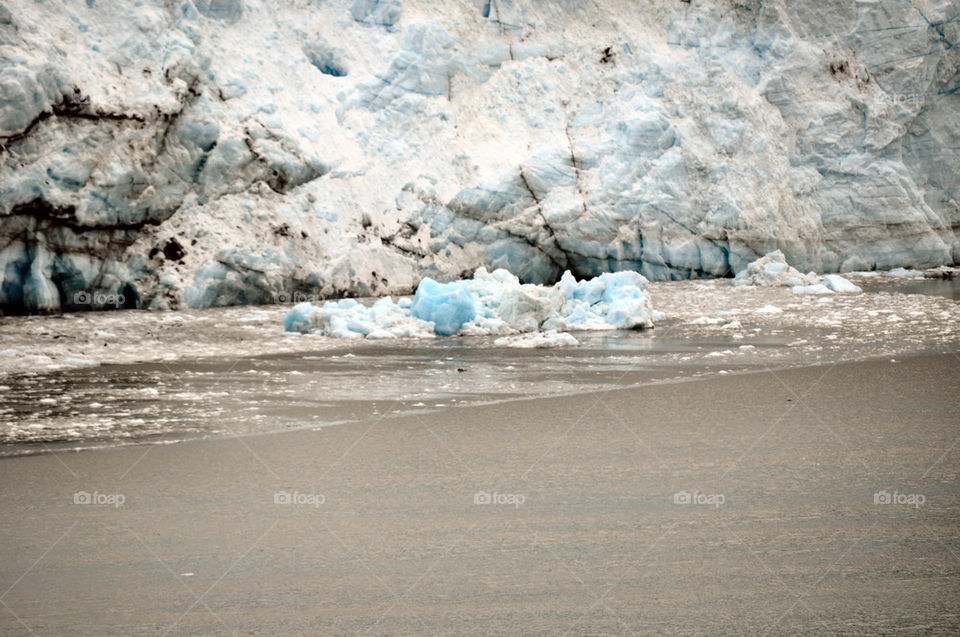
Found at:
(587, 532)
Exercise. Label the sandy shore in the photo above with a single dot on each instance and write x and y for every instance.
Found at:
(584, 535)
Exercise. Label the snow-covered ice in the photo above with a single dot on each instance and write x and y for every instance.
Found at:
(200, 153)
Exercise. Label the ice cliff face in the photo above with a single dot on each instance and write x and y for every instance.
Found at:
(216, 152)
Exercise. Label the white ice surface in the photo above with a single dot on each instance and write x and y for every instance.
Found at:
(172, 153)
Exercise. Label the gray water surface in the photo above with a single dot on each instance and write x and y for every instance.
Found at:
(165, 402)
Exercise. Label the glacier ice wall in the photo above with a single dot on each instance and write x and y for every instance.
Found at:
(217, 152)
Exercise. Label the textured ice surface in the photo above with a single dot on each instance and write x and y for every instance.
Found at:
(215, 152)
(350, 319)
(489, 303)
(772, 270)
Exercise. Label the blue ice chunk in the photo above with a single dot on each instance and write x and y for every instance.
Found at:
(590, 292)
(447, 305)
(628, 312)
(296, 318)
(579, 313)
(624, 284)
(345, 304)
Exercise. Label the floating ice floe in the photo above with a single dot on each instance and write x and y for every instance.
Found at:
(81, 362)
(491, 303)
(772, 270)
(837, 283)
(903, 273)
(537, 340)
(769, 309)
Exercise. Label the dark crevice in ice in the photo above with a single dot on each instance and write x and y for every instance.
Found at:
(567, 263)
(75, 106)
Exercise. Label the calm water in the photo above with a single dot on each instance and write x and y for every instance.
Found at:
(947, 288)
(160, 402)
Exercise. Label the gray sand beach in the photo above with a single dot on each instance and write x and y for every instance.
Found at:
(816, 500)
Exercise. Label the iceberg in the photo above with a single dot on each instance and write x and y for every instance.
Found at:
(490, 303)
(447, 305)
(772, 270)
(837, 283)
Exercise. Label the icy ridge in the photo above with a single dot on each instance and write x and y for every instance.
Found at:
(222, 152)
